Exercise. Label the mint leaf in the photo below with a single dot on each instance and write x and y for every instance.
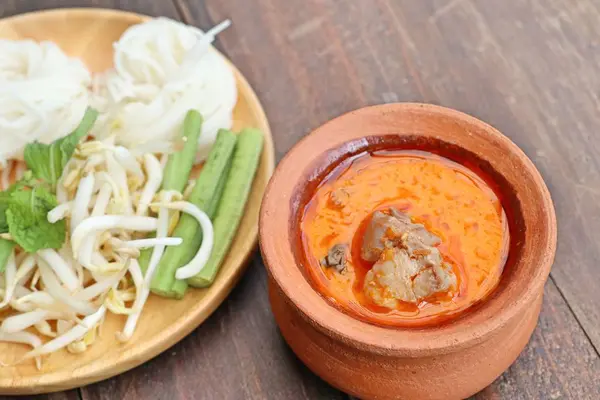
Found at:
(3, 221)
(27, 220)
(4, 202)
(25, 205)
(6, 248)
(5, 197)
(47, 161)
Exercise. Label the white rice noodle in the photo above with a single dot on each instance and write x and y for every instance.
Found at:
(43, 94)
(164, 68)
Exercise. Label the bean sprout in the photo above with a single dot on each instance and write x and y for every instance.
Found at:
(108, 194)
(199, 261)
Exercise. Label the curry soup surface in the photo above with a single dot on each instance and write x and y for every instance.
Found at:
(448, 199)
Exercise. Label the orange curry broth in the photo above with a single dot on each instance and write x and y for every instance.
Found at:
(448, 198)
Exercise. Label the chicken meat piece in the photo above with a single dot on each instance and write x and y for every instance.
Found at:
(408, 266)
(434, 279)
(390, 279)
(398, 277)
(387, 231)
(336, 258)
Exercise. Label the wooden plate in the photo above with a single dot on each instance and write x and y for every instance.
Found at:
(89, 34)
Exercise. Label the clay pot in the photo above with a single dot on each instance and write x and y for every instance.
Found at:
(451, 361)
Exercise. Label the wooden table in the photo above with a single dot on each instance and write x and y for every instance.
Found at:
(528, 67)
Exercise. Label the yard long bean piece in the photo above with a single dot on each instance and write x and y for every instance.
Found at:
(231, 207)
(179, 166)
(205, 196)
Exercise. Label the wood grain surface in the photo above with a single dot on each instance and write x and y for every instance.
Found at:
(528, 67)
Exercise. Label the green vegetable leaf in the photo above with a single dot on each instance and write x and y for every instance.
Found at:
(47, 161)
(5, 197)
(6, 248)
(27, 220)
(3, 221)
(4, 202)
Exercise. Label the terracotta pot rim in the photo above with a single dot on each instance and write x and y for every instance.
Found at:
(475, 326)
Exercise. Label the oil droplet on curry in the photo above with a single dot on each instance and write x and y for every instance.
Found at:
(404, 238)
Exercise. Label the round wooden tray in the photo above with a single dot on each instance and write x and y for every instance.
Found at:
(89, 34)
